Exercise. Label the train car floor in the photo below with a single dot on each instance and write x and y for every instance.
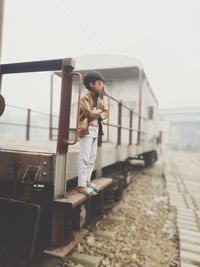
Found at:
(39, 146)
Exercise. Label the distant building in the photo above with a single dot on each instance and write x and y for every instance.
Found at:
(181, 128)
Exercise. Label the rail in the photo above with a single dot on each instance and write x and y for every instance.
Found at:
(29, 113)
(120, 127)
(27, 121)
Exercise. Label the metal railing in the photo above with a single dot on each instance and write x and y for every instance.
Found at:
(27, 124)
(51, 130)
(120, 127)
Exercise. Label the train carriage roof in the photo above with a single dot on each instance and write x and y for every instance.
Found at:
(107, 62)
(109, 65)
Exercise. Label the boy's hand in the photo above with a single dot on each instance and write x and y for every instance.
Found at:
(105, 108)
(98, 112)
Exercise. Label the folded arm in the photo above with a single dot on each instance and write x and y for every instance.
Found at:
(104, 109)
(88, 112)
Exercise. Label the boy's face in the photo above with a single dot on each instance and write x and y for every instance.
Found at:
(97, 86)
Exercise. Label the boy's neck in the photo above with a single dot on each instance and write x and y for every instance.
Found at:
(93, 93)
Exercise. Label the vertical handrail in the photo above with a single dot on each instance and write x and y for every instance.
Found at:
(28, 122)
(108, 119)
(140, 108)
(51, 109)
(130, 126)
(1, 25)
(104, 93)
(65, 107)
(67, 141)
(119, 130)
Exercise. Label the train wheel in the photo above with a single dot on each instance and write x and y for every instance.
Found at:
(150, 158)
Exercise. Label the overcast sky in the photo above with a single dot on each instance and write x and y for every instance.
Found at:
(163, 34)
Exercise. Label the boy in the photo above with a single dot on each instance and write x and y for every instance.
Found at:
(92, 112)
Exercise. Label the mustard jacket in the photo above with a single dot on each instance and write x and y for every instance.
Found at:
(87, 113)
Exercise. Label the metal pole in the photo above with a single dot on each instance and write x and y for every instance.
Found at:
(1, 33)
(108, 127)
(119, 131)
(140, 107)
(28, 124)
(58, 213)
(1, 23)
(51, 109)
(131, 126)
(64, 116)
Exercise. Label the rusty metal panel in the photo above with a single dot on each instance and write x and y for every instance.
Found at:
(13, 165)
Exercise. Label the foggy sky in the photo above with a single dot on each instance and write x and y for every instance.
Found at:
(163, 34)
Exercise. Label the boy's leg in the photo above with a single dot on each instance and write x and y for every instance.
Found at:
(92, 158)
(84, 156)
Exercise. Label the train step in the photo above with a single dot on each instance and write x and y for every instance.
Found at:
(60, 247)
(62, 251)
(74, 198)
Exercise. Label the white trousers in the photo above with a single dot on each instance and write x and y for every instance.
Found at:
(87, 156)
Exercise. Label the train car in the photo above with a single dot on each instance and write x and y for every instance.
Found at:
(38, 180)
(127, 83)
(129, 95)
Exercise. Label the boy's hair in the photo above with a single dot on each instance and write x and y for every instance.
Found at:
(92, 76)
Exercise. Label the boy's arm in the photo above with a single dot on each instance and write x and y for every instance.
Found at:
(104, 109)
(88, 112)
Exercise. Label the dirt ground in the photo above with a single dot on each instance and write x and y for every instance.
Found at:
(141, 227)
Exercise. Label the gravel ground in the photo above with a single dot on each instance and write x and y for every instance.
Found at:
(141, 226)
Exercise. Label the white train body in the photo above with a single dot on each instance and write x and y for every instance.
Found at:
(124, 78)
